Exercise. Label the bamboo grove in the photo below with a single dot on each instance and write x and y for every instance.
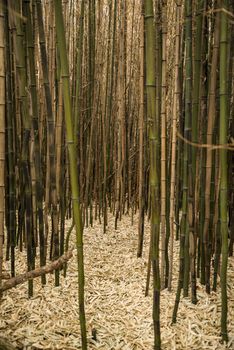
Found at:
(114, 107)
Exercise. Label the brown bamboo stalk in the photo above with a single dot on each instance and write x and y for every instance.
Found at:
(121, 118)
(141, 141)
(174, 139)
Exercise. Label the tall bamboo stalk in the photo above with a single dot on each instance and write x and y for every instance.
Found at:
(223, 78)
(2, 132)
(72, 164)
(26, 214)
(173, 142)
(154, 176)
(187, 176)
(141, 141)
(209, 154)
(77, 111)
(184, 233)
(231, 155)
(51, 137)
(10, 154)
(193, 171)
(121, 116)
(106, 116)
(35, 121)
(163, 143)
(203, 127)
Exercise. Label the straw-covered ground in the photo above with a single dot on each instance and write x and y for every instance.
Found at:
(116, 308)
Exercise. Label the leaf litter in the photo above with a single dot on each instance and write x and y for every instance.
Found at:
(116, 308)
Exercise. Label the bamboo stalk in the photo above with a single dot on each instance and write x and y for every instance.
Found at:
(223, 78)
(173, 142)
(51, 138)
(72, 164)
(26, 215)
(163, 116)
(2, 135)
(209, 154)
(154, 176)
(141, 141)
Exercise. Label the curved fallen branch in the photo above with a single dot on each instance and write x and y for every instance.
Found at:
(13, 282)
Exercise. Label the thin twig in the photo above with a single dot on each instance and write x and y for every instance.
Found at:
(228, 146)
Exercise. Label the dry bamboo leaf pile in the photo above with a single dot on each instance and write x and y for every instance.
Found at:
(115, 303)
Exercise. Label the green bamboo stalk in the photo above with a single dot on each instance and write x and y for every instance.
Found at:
(72, 164)
(231, 154)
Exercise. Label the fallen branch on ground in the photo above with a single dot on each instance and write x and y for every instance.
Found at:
(5, 276)
(13, 282)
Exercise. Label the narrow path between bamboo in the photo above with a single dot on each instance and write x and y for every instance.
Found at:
(118, 314)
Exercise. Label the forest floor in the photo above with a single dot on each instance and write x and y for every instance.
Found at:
(115, 303)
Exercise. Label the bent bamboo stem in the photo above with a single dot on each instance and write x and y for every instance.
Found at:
(13, 282)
